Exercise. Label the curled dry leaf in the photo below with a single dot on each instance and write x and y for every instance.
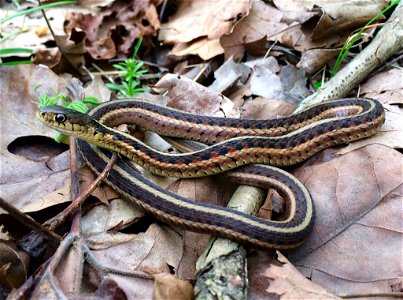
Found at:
(14, 265)
(197, 25)
(187, 95)
(114, 29)
(47, 57)
(313, 59)
(228, 75)
(300, 27)
(154, 251)
(72, 58)
(99, 224)
(287, 283)
(337, 18)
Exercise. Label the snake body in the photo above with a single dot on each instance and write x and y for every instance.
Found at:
(236, 142)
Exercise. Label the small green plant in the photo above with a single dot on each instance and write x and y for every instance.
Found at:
(350, 42)
(130, 71)
(79, 105)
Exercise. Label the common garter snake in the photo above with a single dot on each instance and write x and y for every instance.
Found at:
(239, 142)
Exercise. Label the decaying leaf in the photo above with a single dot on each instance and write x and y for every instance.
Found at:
(357, 230)
(113, 30)
(287, 283)
(228, 75)
(385, 86)
(187, 95)
(300, 26)
(14, 265)
(167, 286)
(196, 26)
(357, 189)
(261, 108)
(28, 176)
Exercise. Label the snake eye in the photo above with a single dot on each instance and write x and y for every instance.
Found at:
(60, 118)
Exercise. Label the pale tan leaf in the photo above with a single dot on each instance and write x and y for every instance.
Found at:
(385, 86)
(199, 18)
(166, 286)
(203, 47)
(187, 95)
(288, 283)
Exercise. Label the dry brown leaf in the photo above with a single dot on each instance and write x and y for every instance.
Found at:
(262, 21)
(197, 25)
(167, 286)
(47, 57)
(287, 283)
(338, 18)
(385, 86)
(357, 230)
(31, 169)
(99, 223)
(335, 17)
(14, 265)
(72, 59)
(229, 74)
(157, 250)
(114, 29)
(203, 47)
(187, 95)
(298, 26)
(261, 108)
(312, 60)
(199, 18)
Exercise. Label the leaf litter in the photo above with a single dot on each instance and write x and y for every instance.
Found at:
(357, 189)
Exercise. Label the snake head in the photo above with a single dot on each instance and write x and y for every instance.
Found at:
(66, 120)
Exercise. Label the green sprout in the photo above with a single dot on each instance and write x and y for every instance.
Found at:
(350, 43)
(130, 71)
